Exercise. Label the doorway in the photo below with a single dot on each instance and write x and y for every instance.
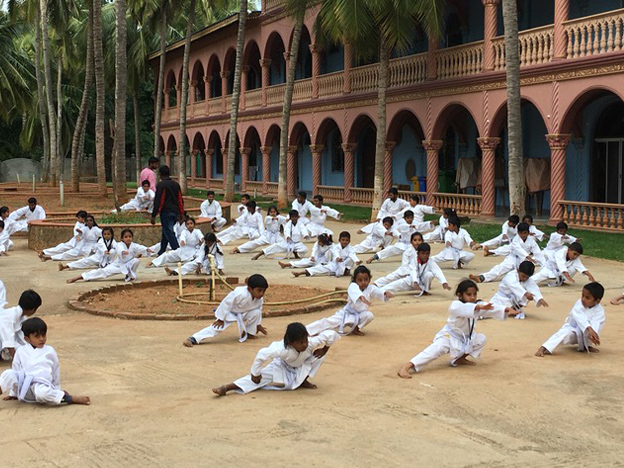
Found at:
(608, 184)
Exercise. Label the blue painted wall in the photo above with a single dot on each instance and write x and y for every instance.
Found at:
(329, 177)
(580, 8)
(304, 156)
(275, 162)
(409, 148)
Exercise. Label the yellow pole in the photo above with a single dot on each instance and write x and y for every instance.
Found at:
(180, 277)
(213, 291)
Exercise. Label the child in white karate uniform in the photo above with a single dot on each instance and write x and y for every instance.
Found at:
(302, 206)
(5, 240)
(380, 237)
(419, 213)
(81, 219)
(560, 237)
(271, 235)
(457, 337)
(455, 239)
(212, 211)
(561, 265)
(318, 215)
(440, 230)
(408, 263)
(341, 262)
(517, 289)
(104, 249)
(31, 212)
(126, 261)
(404, 228)
(190, 244)
(11, 319)
(250, 225)
(294, 360)
(3, 301)
(393, 206)
(421, 275)
(292, 242)
(142, 201)
(5, 216)
(508, 232)
(583, 325)
(87, 242)
(243, 307)
(355, 313)
(35, 375)
(202, 260)
(539, 235)
(321, 254)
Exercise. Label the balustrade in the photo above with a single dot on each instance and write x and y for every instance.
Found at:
(463, 204)
(459, 61)
(593, 215)
(331, 84)
(335, 194)
(595, 35)
(365, 78)
(406, 71)
(422, 196)
(272, 188)
(302, 90)
(275, 94)
(253, 99)
(216, 184)
(362, 196)
(254, 187)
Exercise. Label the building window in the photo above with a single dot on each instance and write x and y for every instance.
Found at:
(337, 160)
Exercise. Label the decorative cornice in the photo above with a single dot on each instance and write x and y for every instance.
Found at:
(433, 145)
(558, 141)
(488, 143)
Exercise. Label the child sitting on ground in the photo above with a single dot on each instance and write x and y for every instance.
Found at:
(87, 242)
(31, 212)
(393, 206)
(212, 211)
(615, 301)
(321, 254)
(560, 237)
(190, 244)
(294, 360)
(242, 306)
(457, 337)
(419, 212)
(408, 263)
(517, 289)
(561, 265)
(142, 201)
(456, 238)
(202, 260)
(583, 325)
(440, 230)
(405, 228)
(104, 250)
(5, 241)
(11, 319)
(79, 227)
(251, 225)
(355, 314)
(380, 237)
(508, 232)
(271, 235)
(35, 375)
(343, 259)
(295, 232)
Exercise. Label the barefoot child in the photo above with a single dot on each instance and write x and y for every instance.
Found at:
(321, 254)
(583, 325)
(440, 230)
(408, 263)
(457, 337)
(508, 232)
(560, 237)
(355, 314)
(318, 215)
(87, 242)
(561, 265)
(380, 237)
(343, 260)
(142, 201)
(79, 227)
(212, 211)
(243, 307)
(456, 238)
(295, 232)
(202, 260)
(405, 228)
(302, 205)
(190, 244)
(517, 289)
(251, 225)
(294, 360)
(104, 250)
(5, 216)
(31, 212)
(393, 206)
(11, 319)
(271, 235)
(35, 375)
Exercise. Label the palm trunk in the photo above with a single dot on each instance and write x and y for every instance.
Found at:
(121, 78)
(42, 99)
(76, 149)
(184, 99)
(100, 88)
(161, 80)
(137, 135)
(240, 42)
(282, 186)
(380, 147)
(517, 188)
(59, 115)
(43, 4)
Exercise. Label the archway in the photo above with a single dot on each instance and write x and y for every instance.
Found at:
(275, 52)
(198, 79)
(161, 150)
(199, 145)
(300, 137)
(213, 72)
(332, 159)
(170, 85)
(252, 141)
(237, 156)
(214, 142)
(332, 59)
(273, 141)
(409, 158)
(251, 60)
(229, 67)
(304, 56)
(364, 134)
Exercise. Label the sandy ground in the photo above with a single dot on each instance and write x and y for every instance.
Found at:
(152, 404)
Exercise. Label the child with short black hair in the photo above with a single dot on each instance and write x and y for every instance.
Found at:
(560, 237)
(295, 232)
(104, 252)
(5, 216)
(35, 375)
(420, 211)
(517, 289)
(202, 260)
(32, 212)
(11, 336)
(455, 239)
(343, 259)
(294, 360)
(5, 241)
(321, 252)
(584, 324)
(79, 227)
(302, 205)
(250, 225)
(142, 201)
(404, 228)
(508, 232)
(380, 237)
(190, 245)
(86, 242)
(539, 235)
(408, 263)
(318, 216)
(242, 306)
(440, 230)
(561, 265)
(392, 206)
(212, 211)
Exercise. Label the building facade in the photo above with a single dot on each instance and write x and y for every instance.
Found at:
(446, 133)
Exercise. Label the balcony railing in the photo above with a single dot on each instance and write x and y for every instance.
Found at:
(275, 94)
(302, 90)
(335, 194)
(272, 188)
(602, 216)
(362, 196)
(331, 84)
(459, 61)
(595, 35)
(406, 71)
(253, 99)
(536, 47)
(463, 204)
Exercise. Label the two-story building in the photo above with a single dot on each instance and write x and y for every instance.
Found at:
(446, 135)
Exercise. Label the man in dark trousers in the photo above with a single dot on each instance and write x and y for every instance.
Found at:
(169, 203)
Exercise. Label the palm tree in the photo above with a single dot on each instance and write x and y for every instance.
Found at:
(121, 77)
(160, 83)
(378, 27)
(42, 99)
(231, 157)
(100, 91)
(517, 188)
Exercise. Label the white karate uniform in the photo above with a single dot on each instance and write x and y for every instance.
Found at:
(539, 235)
(6, 243)
(190, 244)
(270, 236)
(557, 241)
(303, 209)
(318, 216)
(520, 250)
(511, 292)
(238, 307)
(213, 210)
(35, 376)
(454, 253)
(178, 230)
(11, 335)
(378, 238)
(292, 240)
(21, 225)
(354, 314)
(574, 329)
(505, 237)
(203, 261)
(99, 259)
(458, 337)
(555, 264)
(320, 254)
(438, 232)
(79, 229)
(3, 301)
(9, 225)
(124, 263)
(408, 263)
(419, 212)
(142, 201)
(389, 208)
(85, 246)
(288, 368)
(405, 232)
(247, 225)
(334, 267)
(422, 274)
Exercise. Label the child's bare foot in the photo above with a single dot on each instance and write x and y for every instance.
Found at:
(256, 257)
(478, 247)
(541, 352)
(591, 349)
(615, 301)
(308, 384)
(463, 361)
(476, 278)
(62, 267)
(189, 343)
(370, 260)
(221, 272)
(460, 265)
(486, 251)
(235, 251)
(250, 336)
(168, 271)
(283, 264)
(261, 329)
(297, 274)
(9, 397)
(73, 280)
(404, 371)
(357, 332)
(81, 400)
(220, 391)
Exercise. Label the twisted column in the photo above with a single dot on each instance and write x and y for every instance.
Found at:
(209, 156)
(316, 69)
(432, 147)
(349, 168)
(245, 152)
(290, 169)
(244, 74)
(168, 158)
(491, 21)
(194, 154)
(348, 64)
(558, 145)
(390, 146)
(562, 13)
(266, 168)
(167, 92)
(207, 92)
(266, 79)
(488, 191)
(317, 153)
(224, 81)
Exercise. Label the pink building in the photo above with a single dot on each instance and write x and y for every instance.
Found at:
(446, 111)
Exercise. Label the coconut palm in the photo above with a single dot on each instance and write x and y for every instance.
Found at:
(100, 96)
(162, 17)
(121, 78)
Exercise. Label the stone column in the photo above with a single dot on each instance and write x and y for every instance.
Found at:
(491, 22)
(316, 69)
(192, 91)
(558, 145)
(244, 77)
(317, 155)
(168, 158)
(208, 92)
(194, 154)
(562, 13)
(245, 152)
(432, 64)
(224, 83)
(488, 191)
(224, 157)
(266, 167)
(209, 156)
(290, 171)
(348, 65)
(167, 91)
(390, 146)
(266, 79)
(432, 147)
(349, 168)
